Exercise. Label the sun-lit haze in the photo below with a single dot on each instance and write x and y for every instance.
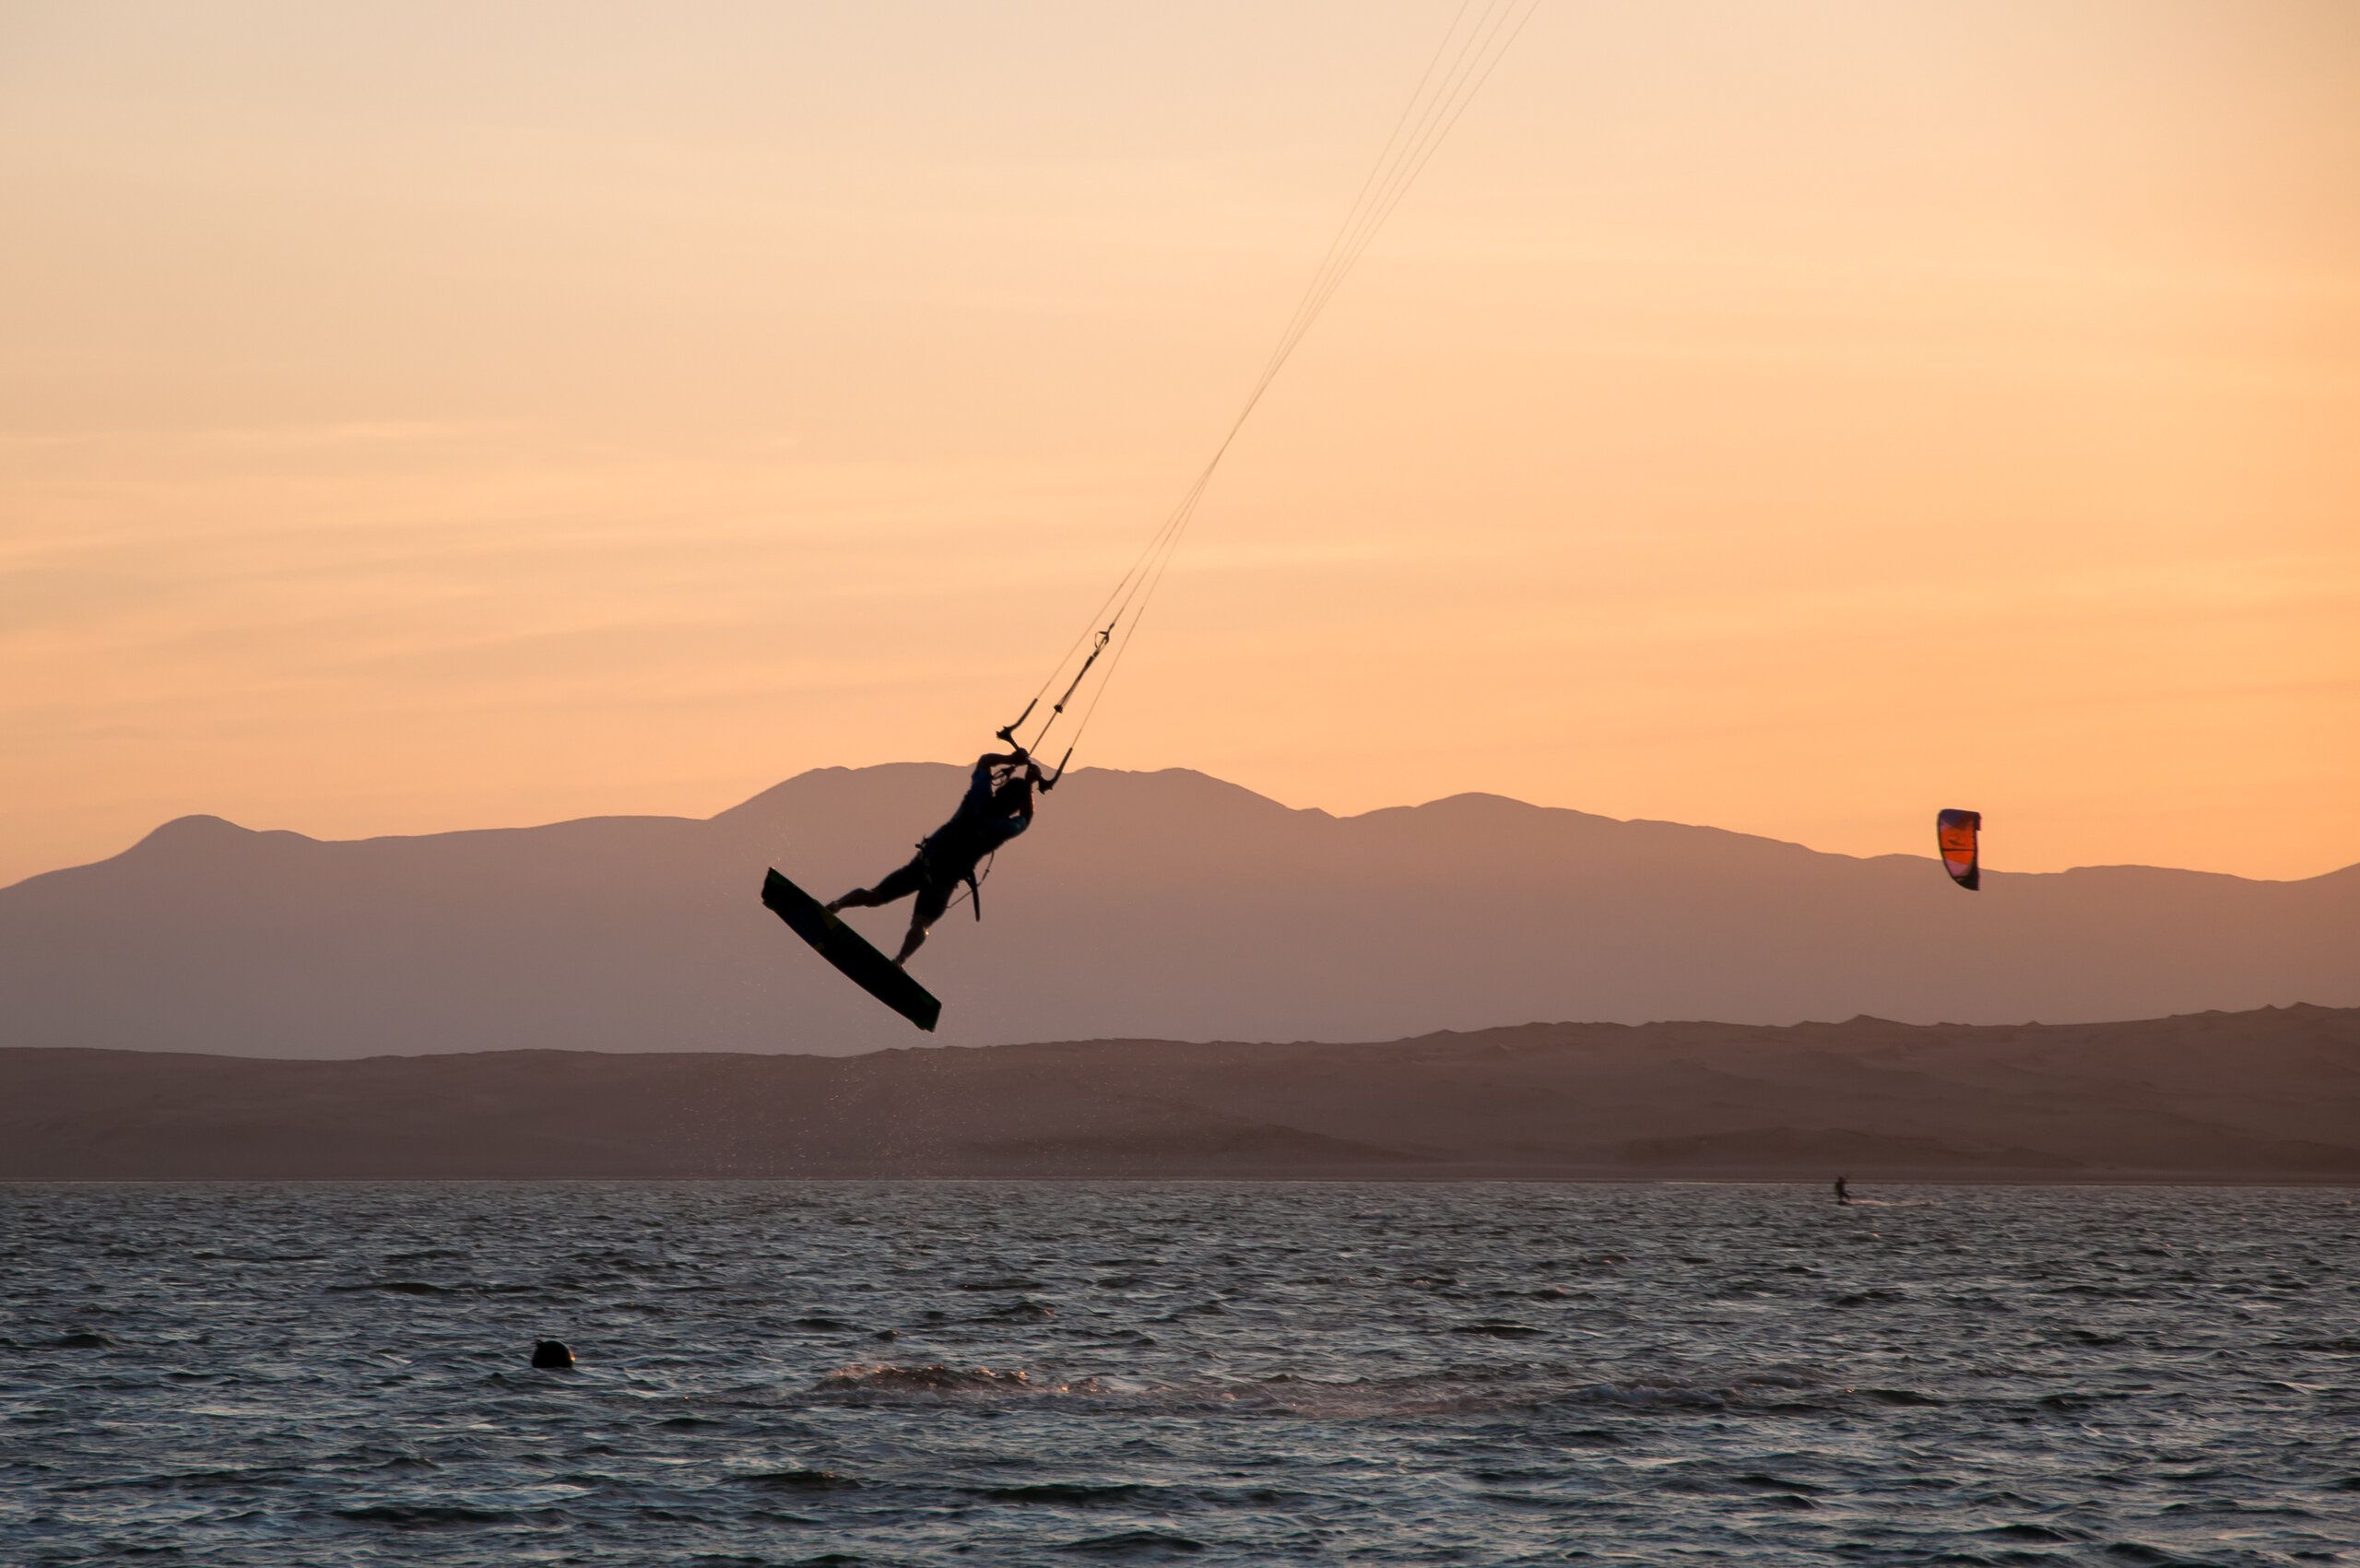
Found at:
(1791, 418)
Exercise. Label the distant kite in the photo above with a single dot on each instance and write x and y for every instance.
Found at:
(1958, 833)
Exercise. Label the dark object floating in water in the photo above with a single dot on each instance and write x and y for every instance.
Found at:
(553, 1354)
(850, 953)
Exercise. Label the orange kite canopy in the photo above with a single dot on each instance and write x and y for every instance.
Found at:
(1960, 836)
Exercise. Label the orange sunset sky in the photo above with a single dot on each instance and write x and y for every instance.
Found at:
(1793, 418)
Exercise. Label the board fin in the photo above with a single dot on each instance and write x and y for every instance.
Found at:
(850, 953)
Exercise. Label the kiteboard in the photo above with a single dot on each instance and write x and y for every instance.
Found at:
(850, 953)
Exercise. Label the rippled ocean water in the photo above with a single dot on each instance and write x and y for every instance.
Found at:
(935, 1372)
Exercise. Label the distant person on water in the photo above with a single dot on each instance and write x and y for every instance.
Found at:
(1843, 1193)
(998, 806)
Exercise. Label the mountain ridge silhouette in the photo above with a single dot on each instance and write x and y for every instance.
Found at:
(1164, 904)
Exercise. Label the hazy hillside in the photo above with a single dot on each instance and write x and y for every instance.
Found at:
(1143, 904)
(2270, 1095)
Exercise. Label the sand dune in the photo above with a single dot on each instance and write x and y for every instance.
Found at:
(2272, 1094)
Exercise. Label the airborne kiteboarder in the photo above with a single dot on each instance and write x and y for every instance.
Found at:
(998, 804)
(998, 807)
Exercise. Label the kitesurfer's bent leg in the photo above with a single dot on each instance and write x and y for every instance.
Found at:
(898, 884)
(933, 899)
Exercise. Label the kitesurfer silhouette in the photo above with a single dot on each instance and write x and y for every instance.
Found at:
(998, 807)
(1843, 1193)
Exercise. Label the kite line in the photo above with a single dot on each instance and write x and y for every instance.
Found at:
(1478, 37)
